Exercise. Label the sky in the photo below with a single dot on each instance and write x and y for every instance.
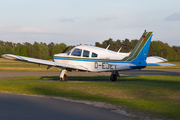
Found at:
(76, 22)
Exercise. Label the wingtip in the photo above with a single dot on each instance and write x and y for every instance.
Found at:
(4, 55)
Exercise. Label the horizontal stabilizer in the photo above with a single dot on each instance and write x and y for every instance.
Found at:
(160, 64)
(155, 59)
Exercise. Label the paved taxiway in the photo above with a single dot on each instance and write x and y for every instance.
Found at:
(22, 107)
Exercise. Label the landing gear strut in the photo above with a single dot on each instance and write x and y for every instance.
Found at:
(63, 75)
(114, 76)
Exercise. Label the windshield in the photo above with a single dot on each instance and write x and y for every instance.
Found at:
(76, 52)
(69, 52)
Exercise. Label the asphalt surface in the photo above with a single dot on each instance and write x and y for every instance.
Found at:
(129, 72)
(22, 107)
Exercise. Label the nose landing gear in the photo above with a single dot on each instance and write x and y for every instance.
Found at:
(63, 75)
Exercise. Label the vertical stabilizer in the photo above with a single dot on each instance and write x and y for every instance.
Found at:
(139, 54)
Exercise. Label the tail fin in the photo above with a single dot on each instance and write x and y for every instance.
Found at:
(139, 54)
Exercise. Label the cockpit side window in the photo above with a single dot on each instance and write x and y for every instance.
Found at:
(94, 54)
(85, 53)
(76, 52)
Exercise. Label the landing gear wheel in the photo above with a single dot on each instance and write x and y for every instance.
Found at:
(113, 77)
(63, 75)
(60, 79)
(65, 78)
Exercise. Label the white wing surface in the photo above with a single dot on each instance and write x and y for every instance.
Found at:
(39, 61)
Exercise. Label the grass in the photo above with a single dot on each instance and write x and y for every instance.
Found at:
(157, 95)
(11, 65)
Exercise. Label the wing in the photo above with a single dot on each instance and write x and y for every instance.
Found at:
(40, 61)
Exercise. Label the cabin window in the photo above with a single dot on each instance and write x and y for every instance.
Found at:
(76, 52)
(85, 53)
(69, 52)
(94, 54)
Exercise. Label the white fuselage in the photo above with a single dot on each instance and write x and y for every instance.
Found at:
(91, 58)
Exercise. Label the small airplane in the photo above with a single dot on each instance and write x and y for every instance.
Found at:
(95, 59)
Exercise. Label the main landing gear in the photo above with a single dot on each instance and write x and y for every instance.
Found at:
(114, 76)
(63, 75)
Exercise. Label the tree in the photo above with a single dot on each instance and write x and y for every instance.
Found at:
(58, 48)
(50, 49)
(23, 51)
(9, 50)
(44, 50)
(36, 51)
(98, 44)
(133, 43)
(177, 50)
(108, 42)
(126, 45)
(117, 45)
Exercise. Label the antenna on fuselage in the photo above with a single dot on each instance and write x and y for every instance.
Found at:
(107, 47)
(119, 50)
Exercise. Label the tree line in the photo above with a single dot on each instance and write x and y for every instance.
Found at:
(46, 51)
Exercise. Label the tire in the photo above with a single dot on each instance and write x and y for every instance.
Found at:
(60, 79)
(65, 77)
(113, 77)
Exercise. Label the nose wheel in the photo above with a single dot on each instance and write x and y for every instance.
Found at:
(63, 75)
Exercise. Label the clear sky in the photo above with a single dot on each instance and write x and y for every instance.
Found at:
(88, 21)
